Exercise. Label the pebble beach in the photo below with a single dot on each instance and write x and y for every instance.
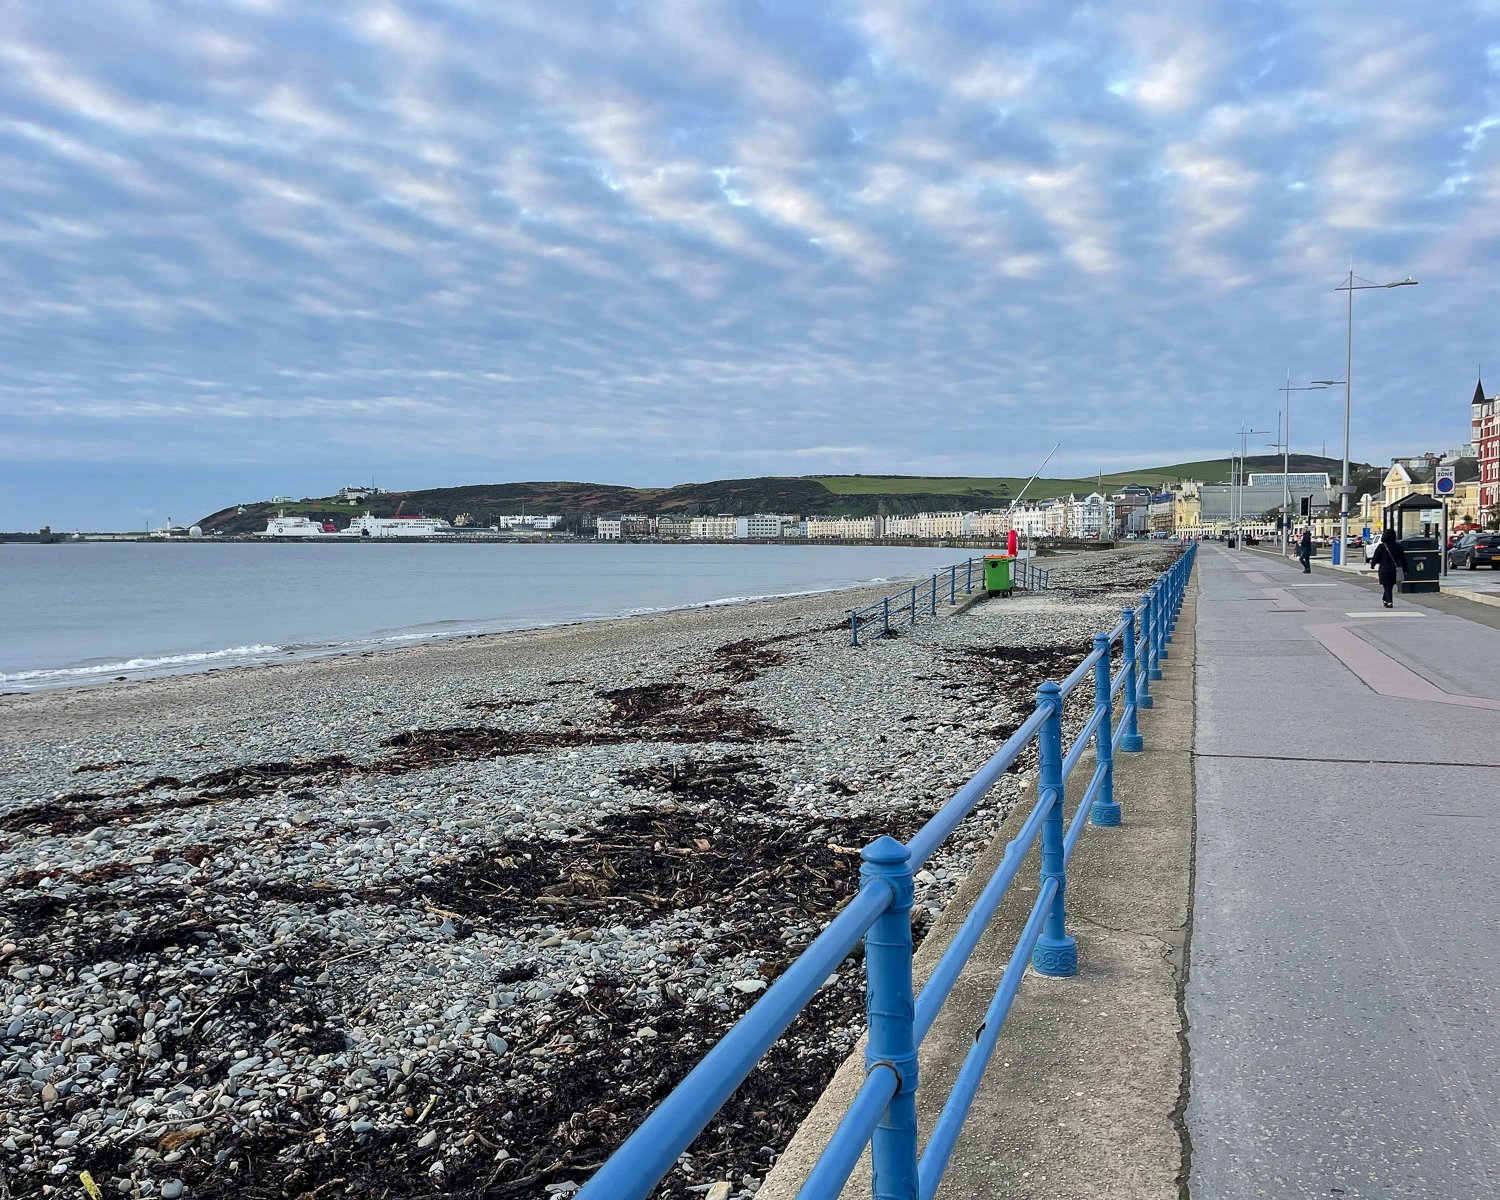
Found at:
(452, 919)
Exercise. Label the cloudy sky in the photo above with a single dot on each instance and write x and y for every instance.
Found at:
(280, 246)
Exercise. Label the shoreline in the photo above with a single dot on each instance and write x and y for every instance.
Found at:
(460, 912)
(268, 650)
(312, 653)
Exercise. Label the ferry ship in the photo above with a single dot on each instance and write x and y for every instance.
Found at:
(282, 525)
(396, 527)
(366, 526)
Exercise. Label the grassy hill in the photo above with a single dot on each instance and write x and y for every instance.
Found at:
(1005, 486)
(851, 495)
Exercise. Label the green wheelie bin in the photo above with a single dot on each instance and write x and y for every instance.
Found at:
(997, 574)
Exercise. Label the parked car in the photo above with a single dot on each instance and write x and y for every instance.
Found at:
(1476, 550)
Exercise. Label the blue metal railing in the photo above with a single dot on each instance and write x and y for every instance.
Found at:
(923, 597)
(883, 1114)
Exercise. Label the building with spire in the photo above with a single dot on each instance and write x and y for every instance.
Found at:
(1486, 439)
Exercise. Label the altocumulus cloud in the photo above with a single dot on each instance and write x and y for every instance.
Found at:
(662, 241)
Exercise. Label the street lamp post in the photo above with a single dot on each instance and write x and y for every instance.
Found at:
(1239, 508)
(1286, 451)
(1350, 286)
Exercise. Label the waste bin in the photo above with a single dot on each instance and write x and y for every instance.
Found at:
(1423, 565)
(997, 574)
(1417, 520)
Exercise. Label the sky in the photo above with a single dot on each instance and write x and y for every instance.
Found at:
(251, 247)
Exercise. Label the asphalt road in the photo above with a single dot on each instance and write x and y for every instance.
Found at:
(1344, 989)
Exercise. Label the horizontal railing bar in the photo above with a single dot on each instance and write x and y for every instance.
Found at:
(648, 1154)
(1081, 742)
(945, 1133)
(946, 819)
(1080, 672)
(839, 1158)
(935, 991)
(1118, 681)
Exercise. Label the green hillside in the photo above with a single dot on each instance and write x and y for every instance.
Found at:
(1005, 486)
(812, 495)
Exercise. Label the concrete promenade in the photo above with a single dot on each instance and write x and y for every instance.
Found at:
(1344, 990)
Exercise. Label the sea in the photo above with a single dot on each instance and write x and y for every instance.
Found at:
(80, 613)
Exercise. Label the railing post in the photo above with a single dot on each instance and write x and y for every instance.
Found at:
(1143, 654)
(932, 600)
(1153, 645)
(1105, 810)
(890, 1013)
(913, 604)
(1131, 740)
(968, 576)
(1055, 953)
(886, 605)
(854, 628)
(1174, 578)
(952, 585)
(1164, 623)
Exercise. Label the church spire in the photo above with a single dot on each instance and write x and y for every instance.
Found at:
(1478, 393)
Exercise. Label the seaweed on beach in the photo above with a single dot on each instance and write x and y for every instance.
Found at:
(569, 1096)
(670, 712)
(1012, 668)
(717, 781)
(741, 661)
(424, 749)
(81, 811)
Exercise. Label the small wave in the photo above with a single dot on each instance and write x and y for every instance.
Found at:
(166, 661)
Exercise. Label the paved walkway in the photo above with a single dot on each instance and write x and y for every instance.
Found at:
(1344, 994)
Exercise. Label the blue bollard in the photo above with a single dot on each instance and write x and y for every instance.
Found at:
(1131, 740)
(1143, 651)
(1105, 809)
(1055, 953)
(890, 1014)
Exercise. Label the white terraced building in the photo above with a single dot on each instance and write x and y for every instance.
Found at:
(926, 525)
(845, 528)
(720, 528)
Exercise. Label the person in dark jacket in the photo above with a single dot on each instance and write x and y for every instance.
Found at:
(1387, 559)
(1304, 551)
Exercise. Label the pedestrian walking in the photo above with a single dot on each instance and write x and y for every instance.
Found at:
(1388, 559)
(1304, 551)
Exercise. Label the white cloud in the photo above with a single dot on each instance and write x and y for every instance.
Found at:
(614, 236)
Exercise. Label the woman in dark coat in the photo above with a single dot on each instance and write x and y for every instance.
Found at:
(1387, 558)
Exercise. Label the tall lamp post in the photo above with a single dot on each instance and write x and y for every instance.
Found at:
(1286, 451)
(1351, 286)
(1239, 518)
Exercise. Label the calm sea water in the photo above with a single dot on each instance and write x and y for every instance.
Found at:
(85, 613)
